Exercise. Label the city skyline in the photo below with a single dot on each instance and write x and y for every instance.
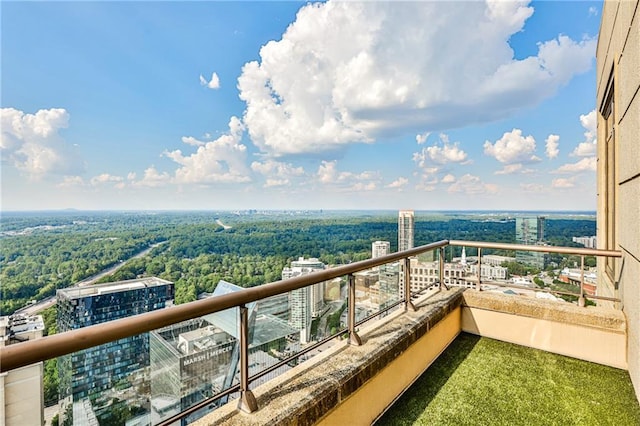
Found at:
(223, 105)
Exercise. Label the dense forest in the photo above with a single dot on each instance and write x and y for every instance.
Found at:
(40, 253)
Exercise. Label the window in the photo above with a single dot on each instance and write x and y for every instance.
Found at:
(607, 110)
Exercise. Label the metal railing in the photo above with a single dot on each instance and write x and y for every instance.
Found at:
(49, 347)
(582, 252)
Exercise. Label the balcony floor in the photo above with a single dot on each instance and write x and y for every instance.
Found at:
(481, 381)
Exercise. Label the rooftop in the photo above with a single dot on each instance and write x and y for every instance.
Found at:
(97, 289)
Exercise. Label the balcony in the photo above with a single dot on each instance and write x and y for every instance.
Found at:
(365, 366)
(478, 380)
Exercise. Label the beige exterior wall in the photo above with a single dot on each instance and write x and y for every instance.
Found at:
(366, 404)
(593, 334)
(21, 396)
(618, 58)
(599, 345)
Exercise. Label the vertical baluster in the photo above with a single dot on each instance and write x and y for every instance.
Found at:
(581, 299)
(441, 268)
(354, 339)
(407, 285)
(479, 285)
(247, 402)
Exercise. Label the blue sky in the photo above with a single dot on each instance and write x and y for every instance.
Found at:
(288, 105)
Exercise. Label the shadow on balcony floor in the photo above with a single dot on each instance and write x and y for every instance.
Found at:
(481, 381)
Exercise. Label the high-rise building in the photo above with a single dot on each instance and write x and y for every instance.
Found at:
(307, 302)
(530, 231)
(618, 164)
(21, 389)
(405, 229)
(92, 381)
(380, 248)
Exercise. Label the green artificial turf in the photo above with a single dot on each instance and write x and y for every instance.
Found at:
(480, 381)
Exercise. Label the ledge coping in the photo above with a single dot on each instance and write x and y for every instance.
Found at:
(589, 316)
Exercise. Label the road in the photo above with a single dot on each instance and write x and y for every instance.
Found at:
(219, 222)
(50, 301)
(92, 279)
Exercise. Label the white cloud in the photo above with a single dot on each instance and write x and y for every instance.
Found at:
(213, 83)
(105, 178)
(430, 158)
(532, 187)
(422, 137)
(277, 173)
(588, 164)
(590, 122)
(220, 161)
(551, 146)
(365, 69)
(471, 185)
(401, 182)
(584, 149)
(190, 140)
(446, 153)
(71, 181)
(328, 174)
(589, 146)
(563, 183)
(327, 171)
(449, 178)
(153, 178)
(512, 148)
(425, 186)
(593, 11)
(32, 144)
(429, 171)
(364, 186)
(510, 169)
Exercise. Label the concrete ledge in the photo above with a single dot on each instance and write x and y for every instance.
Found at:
(590, 333)
(322, 388)
(590, 316)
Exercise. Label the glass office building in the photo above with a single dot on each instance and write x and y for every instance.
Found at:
(92, 381)
(530, 231)
(195, 359)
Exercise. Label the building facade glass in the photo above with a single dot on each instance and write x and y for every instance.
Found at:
(530, 231)
(99, 380)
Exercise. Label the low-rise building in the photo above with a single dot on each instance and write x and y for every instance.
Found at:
(588, 242)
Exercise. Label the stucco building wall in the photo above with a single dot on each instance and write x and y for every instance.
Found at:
(618, 80)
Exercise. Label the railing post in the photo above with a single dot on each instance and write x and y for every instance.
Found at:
(407, 285)
(354, 339)
(479, 285)
(247, 402)
(441, 268)
(581, 299)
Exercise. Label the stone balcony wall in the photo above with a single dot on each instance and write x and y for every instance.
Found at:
(354, 384)
(590, 333)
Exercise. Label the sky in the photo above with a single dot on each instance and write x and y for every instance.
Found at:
(419, 105)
